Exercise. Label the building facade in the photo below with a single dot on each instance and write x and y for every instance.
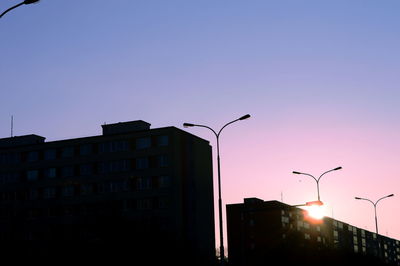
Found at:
(132, 191)
(273, 233)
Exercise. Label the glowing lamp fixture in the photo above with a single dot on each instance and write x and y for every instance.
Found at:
(314, 203)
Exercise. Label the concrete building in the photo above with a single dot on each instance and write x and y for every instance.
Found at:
(273, 233)
(132, 192)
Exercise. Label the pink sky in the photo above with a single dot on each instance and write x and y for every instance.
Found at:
(320, 79)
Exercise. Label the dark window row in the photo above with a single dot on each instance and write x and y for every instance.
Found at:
(141, 163)
(74, 190)
(9, 158)
(100, 208)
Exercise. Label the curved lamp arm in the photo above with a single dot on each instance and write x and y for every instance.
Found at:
(337, 168)
(26, 2)
(391, 195)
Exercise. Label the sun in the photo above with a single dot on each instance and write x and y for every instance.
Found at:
(316, 212)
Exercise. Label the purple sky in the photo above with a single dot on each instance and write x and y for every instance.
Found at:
(320, 79)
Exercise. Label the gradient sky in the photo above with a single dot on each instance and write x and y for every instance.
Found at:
(320, 79)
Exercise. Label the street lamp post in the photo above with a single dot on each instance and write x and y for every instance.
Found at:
(317, 180)
(222, 252)
(26, 2)
(376, 219)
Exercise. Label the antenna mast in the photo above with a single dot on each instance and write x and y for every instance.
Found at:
(12, 125)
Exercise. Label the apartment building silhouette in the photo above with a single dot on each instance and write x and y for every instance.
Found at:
(273, 233)
(131, 193)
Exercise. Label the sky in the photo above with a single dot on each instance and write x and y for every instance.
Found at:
(319, 78)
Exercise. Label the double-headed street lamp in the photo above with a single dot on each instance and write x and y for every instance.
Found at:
(26, 2)
(317, 180)
(222, 253)
(376, 219)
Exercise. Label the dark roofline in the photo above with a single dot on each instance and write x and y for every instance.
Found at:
(99, 136)
(295, 207)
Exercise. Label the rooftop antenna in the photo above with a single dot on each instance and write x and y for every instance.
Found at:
(281, 196)
(12, 125)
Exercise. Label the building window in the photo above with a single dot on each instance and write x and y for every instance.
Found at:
(86, 169)
(113, 146)
(164, 181)
(335, 235)
(318, 228)
(118, 186)
(307, 236)
(50, 154)
(49, 193)
(350, 228)
(67, 171)
(355, 248)
(101, 188)
(340, 225)
(9, 158)
(8, 178)
(143, 143)
(162, 140)
(306, 225)
(143, 204)
(163, 203)
(142, 163)
(162, 160)
(85, 149)
(319, 239)
(285, 219)
(251, 222)
(32, 175)
(33, 156)
(86, 189)
(50, 173)
(33, 194)
(299, 224)
(114, 166)
(143, 183)
(67, 152)
(68, 191)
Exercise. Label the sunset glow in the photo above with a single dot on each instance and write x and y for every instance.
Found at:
(316, 212)
(319, 78)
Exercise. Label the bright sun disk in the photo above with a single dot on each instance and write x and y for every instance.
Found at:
(316, 212)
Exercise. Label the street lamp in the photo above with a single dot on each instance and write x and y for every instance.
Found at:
(317, 180)
(222, 253)
(376, 220)
(26, 2)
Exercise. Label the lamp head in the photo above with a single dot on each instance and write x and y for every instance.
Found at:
(27, 2)
(314, 203)
(188, 125)
(244, 117)
(297, 173)
(391, 195)
(338, 168)
(357, 198)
